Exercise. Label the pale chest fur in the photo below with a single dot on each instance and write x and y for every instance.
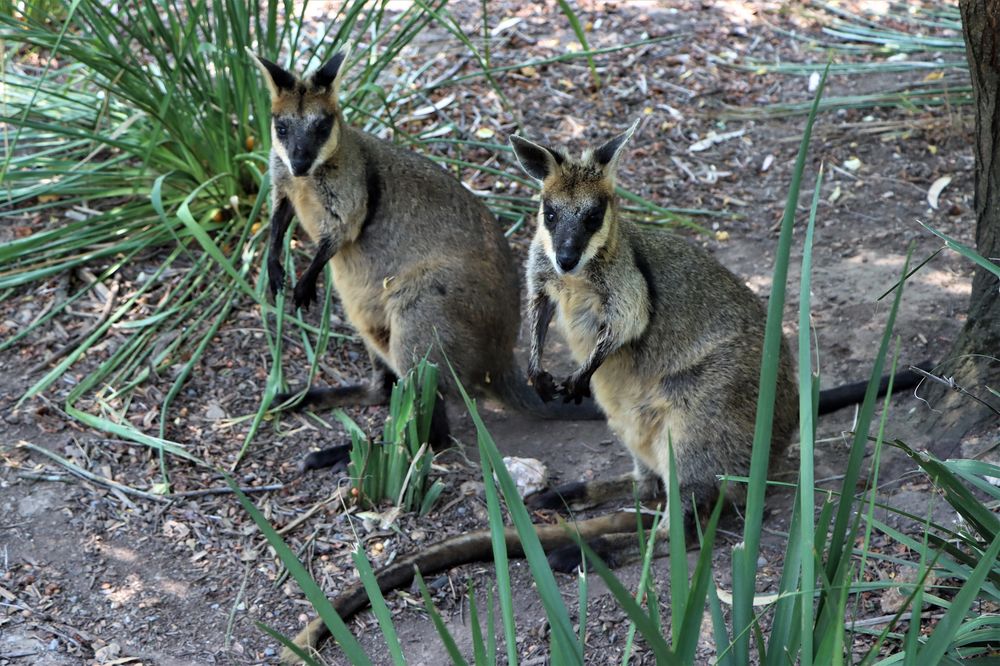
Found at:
(578, 315)
(308, 206)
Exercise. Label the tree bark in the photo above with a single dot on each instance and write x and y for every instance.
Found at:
(974, 361)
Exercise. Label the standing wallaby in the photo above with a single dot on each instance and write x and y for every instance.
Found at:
(420, 264)
(668, 340)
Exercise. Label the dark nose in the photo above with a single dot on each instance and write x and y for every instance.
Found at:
(567, 258)
(300, 167)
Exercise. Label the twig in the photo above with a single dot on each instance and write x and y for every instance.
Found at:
(225, 490)
(90, 476)
(950, 383)
(337, 494)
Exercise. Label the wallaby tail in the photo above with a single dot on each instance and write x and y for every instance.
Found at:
(512, 389)
(459, 550)
(830, 400)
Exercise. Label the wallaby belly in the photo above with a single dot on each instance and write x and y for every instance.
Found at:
(639, 412)
(362, 294)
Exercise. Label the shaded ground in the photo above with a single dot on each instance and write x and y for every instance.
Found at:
(90, 573)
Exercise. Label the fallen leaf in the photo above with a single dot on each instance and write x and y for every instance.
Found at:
(484, 133)
(934, 192)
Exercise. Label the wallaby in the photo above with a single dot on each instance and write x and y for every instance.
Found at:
(419, 262)
(669, 341)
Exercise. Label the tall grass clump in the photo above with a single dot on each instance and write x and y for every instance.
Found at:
(921, 42)
(398, 467)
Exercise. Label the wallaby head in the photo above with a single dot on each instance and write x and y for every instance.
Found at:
(577, 213)
(305, 114)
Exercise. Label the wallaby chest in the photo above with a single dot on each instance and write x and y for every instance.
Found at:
(579, 314)
(309, 206)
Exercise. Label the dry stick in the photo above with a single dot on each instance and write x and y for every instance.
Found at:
(950, 383)
(90, 476)
(222, 491)
(337, 494)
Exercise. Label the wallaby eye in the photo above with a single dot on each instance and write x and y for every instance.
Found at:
(323, 125)
(550, 214)
(281, 129)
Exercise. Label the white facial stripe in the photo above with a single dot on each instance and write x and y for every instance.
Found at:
(546, 238)
(277, 147)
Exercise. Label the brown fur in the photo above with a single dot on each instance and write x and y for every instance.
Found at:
(419, 263)
(668, 340)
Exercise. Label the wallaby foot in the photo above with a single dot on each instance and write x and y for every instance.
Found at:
(615, 550)
(580, 495)
(439, 438)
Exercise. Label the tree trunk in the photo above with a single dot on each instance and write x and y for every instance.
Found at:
(974, 361)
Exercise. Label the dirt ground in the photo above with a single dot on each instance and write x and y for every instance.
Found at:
(94, 574)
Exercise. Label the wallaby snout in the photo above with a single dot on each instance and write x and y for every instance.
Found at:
(569, 248)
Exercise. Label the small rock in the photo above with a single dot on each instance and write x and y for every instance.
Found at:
(530, 475)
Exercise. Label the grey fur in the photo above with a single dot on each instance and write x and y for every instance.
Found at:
(668, 339)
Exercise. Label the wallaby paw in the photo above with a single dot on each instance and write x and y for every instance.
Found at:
(545, 386)
(545, 499)
(556, 499)
(304, 294)
(334, 456)
(565, 559)
(275, 278)
(575, 389)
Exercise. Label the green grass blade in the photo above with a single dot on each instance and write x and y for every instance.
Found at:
(352, 649)
(743, 581)
(944, 633)
(446, 638)
(381, 611)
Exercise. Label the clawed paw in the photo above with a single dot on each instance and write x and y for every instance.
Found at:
(275, 278)
(545, 386)
(304, 294)
(575, 389)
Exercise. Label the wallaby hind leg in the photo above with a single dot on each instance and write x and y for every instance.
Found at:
(580, 495)
(376, 391)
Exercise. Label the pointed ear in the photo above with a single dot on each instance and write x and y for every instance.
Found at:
(537, 161)
(331, 73)
(611, 152)
(277, 79)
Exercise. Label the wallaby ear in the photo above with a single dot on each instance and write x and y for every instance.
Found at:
(537, 161)
(277, 79)
(331, 73)
(611, 152)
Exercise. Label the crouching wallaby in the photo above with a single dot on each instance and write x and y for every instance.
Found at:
(669, 341)
(419, 262)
